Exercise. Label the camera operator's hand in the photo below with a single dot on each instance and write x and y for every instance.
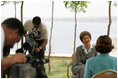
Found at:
(37, 50)
(19, 58)
(9, 61)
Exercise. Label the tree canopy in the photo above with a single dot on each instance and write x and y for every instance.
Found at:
(78, 5)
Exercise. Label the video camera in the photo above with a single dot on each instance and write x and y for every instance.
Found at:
(29, 69)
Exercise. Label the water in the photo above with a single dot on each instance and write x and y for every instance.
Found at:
(63, 35)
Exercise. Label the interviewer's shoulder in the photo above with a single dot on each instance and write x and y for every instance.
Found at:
(114, 58)
(91, 59)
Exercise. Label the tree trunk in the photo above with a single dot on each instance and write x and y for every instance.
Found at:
(15, 8)
(68, 70)
(75, 31)
(50, 37)
(15, 15)
(22, 20)
(108, 31)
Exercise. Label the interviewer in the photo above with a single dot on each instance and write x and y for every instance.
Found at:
(103, 61)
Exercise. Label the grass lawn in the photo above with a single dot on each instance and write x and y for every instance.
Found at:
(59, 67)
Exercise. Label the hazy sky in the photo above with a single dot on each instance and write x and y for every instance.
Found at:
(44, 8)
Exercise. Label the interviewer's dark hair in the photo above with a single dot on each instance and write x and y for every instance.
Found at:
(13, 23)
(104, 44)
(36, 20)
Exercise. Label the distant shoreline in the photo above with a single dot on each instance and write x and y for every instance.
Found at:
(102, 19)
(106, 20)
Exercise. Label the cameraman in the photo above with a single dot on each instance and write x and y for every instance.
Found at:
(11, 32)
(39, 30)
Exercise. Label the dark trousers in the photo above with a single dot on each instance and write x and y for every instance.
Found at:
(41, 72)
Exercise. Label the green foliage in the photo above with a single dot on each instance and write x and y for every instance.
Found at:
(7, 2)
(76, 5)
(4, 2)
(115, 3)
(17, 2)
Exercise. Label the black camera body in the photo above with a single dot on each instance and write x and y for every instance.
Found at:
(22, 71)
(29, 69)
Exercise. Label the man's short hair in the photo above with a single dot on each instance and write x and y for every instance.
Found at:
(36, 20)
(13, 23)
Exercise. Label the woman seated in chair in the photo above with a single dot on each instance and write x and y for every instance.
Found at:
(83, 52)
(103, 61)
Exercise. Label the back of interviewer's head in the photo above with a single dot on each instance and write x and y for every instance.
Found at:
(104, 44)
(13, 23)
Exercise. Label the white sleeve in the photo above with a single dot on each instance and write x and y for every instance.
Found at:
(28, 26)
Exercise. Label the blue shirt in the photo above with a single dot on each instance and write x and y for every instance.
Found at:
(99, 63)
